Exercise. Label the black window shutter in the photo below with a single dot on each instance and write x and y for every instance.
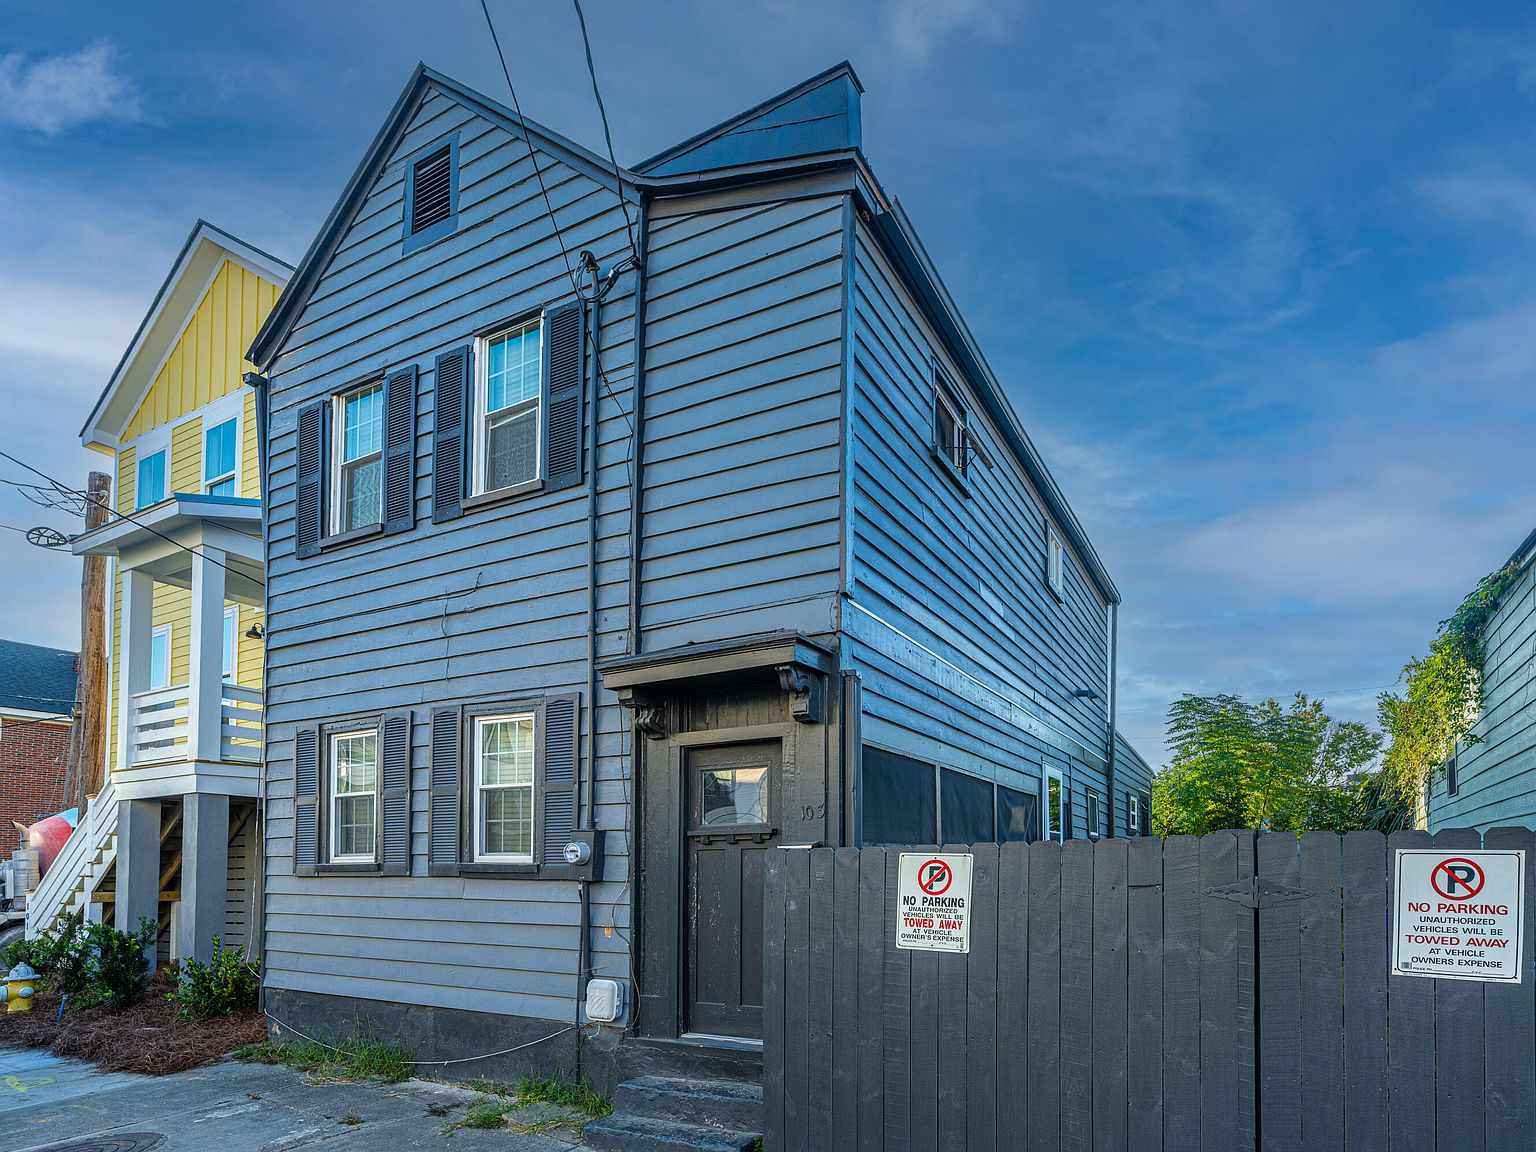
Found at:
(565, 331)
(1066, 811)
(1146, 813)
(555, 784)
(395, 775)
(452, 378)
(443, 815)
(306, 801)
(400, 450)
(309, 510)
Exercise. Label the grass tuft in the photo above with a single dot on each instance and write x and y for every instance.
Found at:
(361, 1056)
(578, 1097)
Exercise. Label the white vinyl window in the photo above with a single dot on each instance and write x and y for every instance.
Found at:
(151, 479)
(1091, 802)
(160, 657)
(949, 435)
(503, 784)
(358, 459)
(354, 763)
(1055, 565)
(508, 388)
(231, 651)
(1053, 816)
(221, 458)
(1132, 814)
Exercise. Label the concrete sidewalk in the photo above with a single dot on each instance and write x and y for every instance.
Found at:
(56, 1105)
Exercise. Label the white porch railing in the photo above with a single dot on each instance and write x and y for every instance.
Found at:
(71, 877)
(161, 725)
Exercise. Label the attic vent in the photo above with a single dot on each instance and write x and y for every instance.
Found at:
(431, 190)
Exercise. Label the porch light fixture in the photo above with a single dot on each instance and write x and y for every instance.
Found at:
(256, 632)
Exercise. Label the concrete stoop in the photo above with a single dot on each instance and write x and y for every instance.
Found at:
(672, 1114)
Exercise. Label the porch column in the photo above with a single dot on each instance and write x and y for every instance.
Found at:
(136, 626)
(138, 865)
(206, 678)
(204, 873)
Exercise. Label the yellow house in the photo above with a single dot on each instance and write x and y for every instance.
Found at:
(172, 836)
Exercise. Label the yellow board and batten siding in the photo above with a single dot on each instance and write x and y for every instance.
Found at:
(205, 366)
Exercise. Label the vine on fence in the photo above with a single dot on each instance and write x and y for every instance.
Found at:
(1442, 691)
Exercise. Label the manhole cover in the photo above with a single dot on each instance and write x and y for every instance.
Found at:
(122, 1142)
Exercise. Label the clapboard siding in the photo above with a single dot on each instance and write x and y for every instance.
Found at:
(489, 606)
(957, 577)
(743, 419)
(1497, 775)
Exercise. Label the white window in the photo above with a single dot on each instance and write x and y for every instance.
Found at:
(503, 800)
(1054, 816)
(949, 436)
(1092, 804)
(354, 777)
(160, 657)
(1055, 564)
(358, 459)
(507, 400)
(231, 640)
(221, 458)
(151, 479)
(1132, 814)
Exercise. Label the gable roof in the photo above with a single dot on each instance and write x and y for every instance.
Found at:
(36, 679)
(174, 305)
(817, 115)
(281, 319)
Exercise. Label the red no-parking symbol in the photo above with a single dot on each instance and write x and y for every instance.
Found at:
(934, 877)
(1457, 878)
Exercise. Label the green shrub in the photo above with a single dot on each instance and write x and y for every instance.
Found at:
(225, 985)
(61, 956)
(119, 964)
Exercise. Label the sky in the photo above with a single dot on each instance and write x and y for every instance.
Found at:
(1259, 279)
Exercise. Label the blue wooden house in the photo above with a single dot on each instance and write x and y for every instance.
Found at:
(623, 525)
(1492, 782)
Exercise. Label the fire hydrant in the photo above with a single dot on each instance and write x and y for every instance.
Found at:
(19, 988)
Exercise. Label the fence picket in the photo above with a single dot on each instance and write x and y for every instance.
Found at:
(1411, 1038)
(982, 988)
(1181, 992)
(874, 924)
(1509, 1011)
(925, 1045)
(1144, 1048)
(819, 996)
(1322, 995)
(896, 1024)
(1364, 882)
(1458, 1043)
(797, 955)
(845, 994)
(1222, 921)
(1280, 997)
(1045, 996)
(773, 999)
(1077, 898)
(1013, 1056)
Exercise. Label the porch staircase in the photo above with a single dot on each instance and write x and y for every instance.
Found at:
(673, 1114)
(86, 857)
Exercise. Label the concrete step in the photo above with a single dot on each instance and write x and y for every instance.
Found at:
(733, 1104)
(618, 1133)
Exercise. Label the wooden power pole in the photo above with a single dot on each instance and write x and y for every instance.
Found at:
(86, 774)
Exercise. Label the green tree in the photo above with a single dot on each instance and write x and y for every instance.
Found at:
(1241, 765)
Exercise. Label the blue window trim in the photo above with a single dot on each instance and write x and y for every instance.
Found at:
(413, 241)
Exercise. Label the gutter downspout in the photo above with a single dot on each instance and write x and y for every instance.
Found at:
(259, 386)
(637, 470)
(1109, 750)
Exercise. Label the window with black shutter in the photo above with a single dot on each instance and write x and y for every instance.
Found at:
(504, 788)
(432, 195)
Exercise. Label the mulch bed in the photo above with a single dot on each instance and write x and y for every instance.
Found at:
(147, 1038)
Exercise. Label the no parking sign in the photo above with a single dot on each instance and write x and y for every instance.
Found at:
(934, 901)
(1459, 915)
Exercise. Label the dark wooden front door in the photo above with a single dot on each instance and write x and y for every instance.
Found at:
(731, 820)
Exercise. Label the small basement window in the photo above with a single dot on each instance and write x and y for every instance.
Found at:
(432, 195)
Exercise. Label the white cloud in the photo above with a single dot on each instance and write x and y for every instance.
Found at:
(918, 28)
(57, 93)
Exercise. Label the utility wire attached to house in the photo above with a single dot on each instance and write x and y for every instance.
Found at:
(602, 111)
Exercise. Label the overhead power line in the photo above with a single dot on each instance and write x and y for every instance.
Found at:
(110, 511)
(602, 111)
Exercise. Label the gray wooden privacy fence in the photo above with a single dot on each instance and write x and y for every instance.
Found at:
(1224, 993)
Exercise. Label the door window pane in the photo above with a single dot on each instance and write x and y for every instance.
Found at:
(965, 808)
(1018, 816)
(734, 796)
(899, 800)
(151, 484)
(160, 657)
